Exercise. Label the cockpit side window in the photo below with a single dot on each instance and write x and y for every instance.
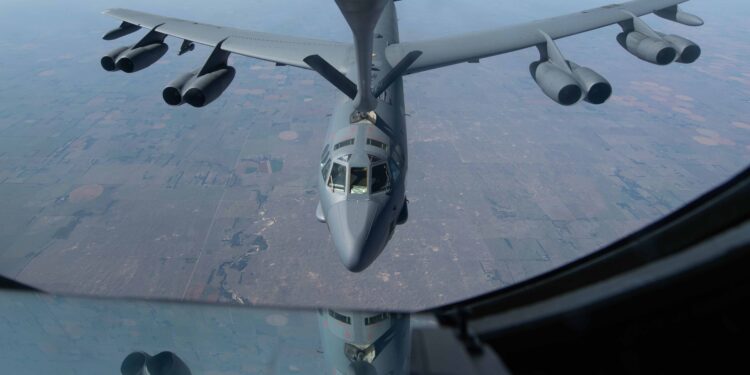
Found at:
(337, 179)
(324, 156)
(379, 178)
(324, 169)
(358, 180)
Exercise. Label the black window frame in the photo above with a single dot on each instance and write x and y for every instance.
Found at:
(340, 317)
(345, 143)
(375, 143)
(377, 318)
(385, 187)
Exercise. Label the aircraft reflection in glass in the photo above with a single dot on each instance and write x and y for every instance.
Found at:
(352, 343)
(48, 334)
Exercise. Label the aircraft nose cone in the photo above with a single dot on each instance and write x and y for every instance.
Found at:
(351, 222)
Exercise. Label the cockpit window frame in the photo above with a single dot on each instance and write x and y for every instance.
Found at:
(326, 154)
(342, 161)
(335, 187)
(385, 188)
(351, 190)
(326, 167)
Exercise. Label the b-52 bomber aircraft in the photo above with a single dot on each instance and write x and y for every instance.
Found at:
(364, 160)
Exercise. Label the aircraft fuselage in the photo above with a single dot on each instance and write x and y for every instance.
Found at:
(364, 163)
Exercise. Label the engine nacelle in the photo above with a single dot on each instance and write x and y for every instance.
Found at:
(596, 88)
(653, 50)
(172, 94)
(556, 83)
(139, 58)
(206, 88)
(687, 51)
(134, 363)
(108, 61)
(164, 363)
(167, 363)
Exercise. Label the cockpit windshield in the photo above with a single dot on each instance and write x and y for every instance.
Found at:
(358, 180)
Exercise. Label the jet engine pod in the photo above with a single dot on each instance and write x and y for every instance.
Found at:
(172, 94)
(653, 50)
(135, 364)
(555, 83)
(166, 363)
(596, 87)
(139, 58)
(687, 51)
(207, 87)
(108, 61)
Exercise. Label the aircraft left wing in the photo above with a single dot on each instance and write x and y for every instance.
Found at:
(286, 50)
(474, 46)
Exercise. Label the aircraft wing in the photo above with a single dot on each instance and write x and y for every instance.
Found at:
(280, 49)
(471, 47)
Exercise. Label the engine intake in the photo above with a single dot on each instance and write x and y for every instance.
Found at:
(555, 83)
(108, 61)
(167, 363)
(134, 363)
(653, 50)
(172, 94)
(687, 51)
(135, 59)
(205, 88)
(164, 363)
(596, 88)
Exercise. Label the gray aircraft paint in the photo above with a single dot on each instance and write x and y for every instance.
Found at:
(364, 342)
(362, 224)
(362, 17)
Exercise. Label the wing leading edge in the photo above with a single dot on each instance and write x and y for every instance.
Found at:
(471, 47)
(562, 80)
(286, 50)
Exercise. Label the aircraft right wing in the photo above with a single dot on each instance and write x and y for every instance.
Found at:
(471, 47)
